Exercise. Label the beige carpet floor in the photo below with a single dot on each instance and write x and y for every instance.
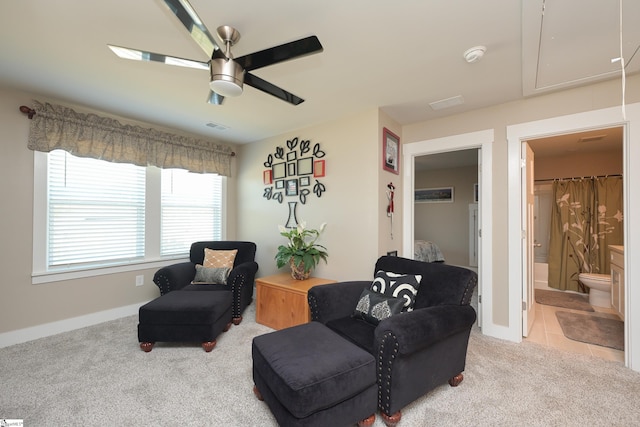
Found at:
(98, 376)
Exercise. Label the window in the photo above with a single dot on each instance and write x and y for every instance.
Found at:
(91, 214)
(183, 198)
(95, 213)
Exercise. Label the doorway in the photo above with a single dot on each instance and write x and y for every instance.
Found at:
(574, 158)
(516, 134)
(482, 142)
(446, 228)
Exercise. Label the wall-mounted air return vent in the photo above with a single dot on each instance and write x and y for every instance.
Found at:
(592, 138)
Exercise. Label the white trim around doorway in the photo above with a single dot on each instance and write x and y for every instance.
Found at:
(482, 140)
(597, 119)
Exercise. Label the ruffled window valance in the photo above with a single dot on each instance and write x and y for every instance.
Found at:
(89, 135)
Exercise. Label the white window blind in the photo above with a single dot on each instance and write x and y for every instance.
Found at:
(96, 211)
(191, 210)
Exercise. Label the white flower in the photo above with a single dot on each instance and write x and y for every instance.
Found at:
(322, 226)
(282, 229)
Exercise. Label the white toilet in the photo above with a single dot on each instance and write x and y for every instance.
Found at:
(599, 288)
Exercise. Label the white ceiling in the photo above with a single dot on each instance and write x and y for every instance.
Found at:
(398, 56)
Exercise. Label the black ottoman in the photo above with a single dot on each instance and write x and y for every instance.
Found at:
(310, 376)
(185, 316)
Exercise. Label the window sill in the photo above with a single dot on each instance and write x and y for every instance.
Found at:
(58, 276)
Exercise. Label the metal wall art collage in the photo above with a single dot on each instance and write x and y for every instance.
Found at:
(293, 172)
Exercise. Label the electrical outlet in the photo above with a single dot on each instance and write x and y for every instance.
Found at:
(139, 280)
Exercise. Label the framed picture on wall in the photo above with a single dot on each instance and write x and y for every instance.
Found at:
(267, 177)
(292, 187)
(434, 195)
(279, 171)
(305, 166)
(318, 168)
(390, 151)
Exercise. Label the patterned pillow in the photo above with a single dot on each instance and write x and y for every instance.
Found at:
(211, 276)
(374, 307)
(404, 286)
(219, 259)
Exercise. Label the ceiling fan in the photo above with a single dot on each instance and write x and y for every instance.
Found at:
(227, 74)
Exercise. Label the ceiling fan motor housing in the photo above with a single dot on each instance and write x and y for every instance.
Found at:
(227, 77)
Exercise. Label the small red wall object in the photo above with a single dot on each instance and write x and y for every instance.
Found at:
(267, 177)
(318, 168)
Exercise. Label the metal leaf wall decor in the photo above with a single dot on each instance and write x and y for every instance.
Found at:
(293, 173)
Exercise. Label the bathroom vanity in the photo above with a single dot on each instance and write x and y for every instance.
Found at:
(617, 279)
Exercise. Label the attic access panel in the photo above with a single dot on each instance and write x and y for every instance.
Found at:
(573, 41)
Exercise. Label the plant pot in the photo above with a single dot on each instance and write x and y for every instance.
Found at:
(297, 272)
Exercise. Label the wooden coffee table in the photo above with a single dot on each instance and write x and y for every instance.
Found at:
(281, 300)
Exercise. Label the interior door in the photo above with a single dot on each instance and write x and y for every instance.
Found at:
(528, 297)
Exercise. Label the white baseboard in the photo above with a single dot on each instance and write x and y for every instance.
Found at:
(501, 332)
(53, 328)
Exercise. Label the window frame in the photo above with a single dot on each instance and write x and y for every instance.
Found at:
(152, 258)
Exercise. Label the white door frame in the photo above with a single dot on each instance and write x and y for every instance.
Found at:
(528, 285)
(597, 119)
(475, 140)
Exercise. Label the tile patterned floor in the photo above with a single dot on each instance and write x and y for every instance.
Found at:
(547, 331)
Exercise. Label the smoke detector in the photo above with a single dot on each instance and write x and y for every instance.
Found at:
(474, 54)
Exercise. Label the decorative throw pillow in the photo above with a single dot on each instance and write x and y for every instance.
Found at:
(211, 276)
(219, 259)
(374, 307)
(404, 286)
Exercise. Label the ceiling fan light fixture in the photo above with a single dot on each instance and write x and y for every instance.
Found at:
(227, 77)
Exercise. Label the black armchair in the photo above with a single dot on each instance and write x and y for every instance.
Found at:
(415, 351)
(240, 281)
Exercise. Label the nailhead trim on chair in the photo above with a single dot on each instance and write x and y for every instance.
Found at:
(238, 300)
(163, 284)
(384, 379)
(313, 307)
(466, 297)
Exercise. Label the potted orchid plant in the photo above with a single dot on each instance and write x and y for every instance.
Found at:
(302, 253)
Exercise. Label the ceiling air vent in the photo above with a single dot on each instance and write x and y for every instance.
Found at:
(446, 103)
(216, 126)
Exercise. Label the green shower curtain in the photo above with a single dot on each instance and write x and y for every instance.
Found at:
(586, 218)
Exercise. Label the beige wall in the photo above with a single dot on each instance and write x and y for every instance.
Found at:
(579, 164)
(24, 305)
(447, 224)
(389, 227)
(352, 205)
(588, 98)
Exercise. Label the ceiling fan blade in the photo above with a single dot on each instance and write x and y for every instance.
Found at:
(215, 98)
(284, 52)
(194, 25)
(271, 89)
(141, 55)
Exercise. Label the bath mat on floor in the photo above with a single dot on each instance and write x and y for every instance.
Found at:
(563, 299)
(592, 329)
